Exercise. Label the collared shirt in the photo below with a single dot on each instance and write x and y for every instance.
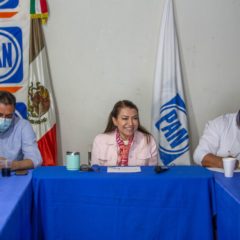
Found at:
(221, 137)
(19, 142)
(105, 150)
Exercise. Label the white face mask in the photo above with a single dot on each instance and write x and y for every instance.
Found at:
(5, 124)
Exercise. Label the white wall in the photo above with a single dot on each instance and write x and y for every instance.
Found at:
(101, 51)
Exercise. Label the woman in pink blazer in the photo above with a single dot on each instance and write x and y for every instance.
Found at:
(124, 142)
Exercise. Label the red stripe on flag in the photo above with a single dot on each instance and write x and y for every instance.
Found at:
(48, 147)
(43, 4)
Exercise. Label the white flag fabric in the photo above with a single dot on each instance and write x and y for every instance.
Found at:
(169, 115)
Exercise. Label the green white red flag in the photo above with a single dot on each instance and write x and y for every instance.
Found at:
(39, 9)
(41, 107)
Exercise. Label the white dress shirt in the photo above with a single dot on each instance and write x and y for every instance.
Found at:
(221, 137)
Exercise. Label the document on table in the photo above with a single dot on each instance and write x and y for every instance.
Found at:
(123, 169)
(221, 170)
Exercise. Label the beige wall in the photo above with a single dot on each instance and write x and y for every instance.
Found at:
(101, 51)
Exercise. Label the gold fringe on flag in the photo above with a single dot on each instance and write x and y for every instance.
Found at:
(42, 16)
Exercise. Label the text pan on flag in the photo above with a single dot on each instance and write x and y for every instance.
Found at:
(41, 108)
(14, 51)
(169, 114)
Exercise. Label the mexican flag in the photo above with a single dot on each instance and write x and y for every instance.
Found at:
(41, 107)
(38, 9)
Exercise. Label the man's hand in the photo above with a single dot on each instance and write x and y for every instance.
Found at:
(21, 165)
(211, 160)
(2, 162)
(237, 164)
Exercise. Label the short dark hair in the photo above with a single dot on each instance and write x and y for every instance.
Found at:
(115, 112)
(7, 98)
(238, 119)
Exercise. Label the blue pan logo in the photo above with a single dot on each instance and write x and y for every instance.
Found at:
(172, 127)
(8, 4)
(11, 66)
(21, 110)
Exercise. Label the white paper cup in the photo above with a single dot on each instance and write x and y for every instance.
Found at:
(229, 165)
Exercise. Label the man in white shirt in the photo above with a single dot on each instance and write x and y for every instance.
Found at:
(221, 138)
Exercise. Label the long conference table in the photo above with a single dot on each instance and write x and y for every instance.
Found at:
(176, 204)
(228, 206)
(53, 203)
(15, 207)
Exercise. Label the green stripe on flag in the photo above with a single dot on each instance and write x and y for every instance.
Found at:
(32, 6)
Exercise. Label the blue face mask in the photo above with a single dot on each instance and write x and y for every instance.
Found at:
(5, 124)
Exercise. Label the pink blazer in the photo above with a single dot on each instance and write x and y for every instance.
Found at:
(105, 150)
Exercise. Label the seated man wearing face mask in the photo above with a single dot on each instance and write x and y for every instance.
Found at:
(17, 139)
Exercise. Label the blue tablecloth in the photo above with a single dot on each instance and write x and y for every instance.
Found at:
(15, 207)
(176, 204)
(228, 206)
